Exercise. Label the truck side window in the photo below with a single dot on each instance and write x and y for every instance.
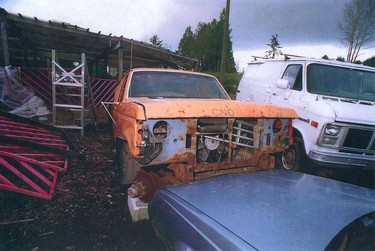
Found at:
(293, 74)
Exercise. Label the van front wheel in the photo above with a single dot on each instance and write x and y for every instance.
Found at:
(290, 158)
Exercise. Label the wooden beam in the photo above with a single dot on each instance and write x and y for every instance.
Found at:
(107, 51)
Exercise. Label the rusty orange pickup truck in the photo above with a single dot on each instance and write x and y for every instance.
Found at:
(174, 126)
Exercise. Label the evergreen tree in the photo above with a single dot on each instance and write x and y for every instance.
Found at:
(230, 65)
(155, 41)
(186, 45)
(370, 61)
(206, 45)
(275, 47)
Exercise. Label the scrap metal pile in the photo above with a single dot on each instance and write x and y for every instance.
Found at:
(32, 155)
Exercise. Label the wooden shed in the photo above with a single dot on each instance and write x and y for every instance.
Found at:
(29, 41)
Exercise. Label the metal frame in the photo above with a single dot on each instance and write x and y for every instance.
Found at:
(31, 156)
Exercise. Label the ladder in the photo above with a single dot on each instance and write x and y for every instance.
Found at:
(68, 95)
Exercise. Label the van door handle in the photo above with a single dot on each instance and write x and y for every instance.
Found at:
(287, 95)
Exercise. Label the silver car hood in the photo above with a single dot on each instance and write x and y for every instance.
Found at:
(277, 209)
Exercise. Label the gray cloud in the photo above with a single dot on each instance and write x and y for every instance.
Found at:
(296, 22)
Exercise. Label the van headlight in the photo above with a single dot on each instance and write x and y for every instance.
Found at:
(331, 133)
(329, 141)
(331, 130)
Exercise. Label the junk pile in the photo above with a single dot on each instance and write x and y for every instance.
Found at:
(32, 155)
(19, 99)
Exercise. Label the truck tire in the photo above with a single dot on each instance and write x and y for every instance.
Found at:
(127, 166)
(291, 158)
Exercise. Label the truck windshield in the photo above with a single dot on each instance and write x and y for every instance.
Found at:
(341, 82)
(159, 84)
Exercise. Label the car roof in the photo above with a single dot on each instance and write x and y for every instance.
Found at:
(278, 209)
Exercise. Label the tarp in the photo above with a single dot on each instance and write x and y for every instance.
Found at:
(18, 97)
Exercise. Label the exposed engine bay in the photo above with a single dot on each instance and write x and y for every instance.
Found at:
(181, 150)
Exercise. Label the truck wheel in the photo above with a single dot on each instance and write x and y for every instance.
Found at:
(127, 166)
(290, 158)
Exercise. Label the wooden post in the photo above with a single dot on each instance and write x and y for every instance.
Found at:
(4, 39)
(120, 64)
(131, 55)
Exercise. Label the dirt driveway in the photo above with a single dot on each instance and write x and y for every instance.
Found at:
(89, 211)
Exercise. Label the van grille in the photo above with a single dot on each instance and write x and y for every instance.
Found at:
(359, 141)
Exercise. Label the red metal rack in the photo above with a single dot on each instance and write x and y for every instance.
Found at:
(31, 156)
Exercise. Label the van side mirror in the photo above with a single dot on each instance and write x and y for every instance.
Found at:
(282, 84)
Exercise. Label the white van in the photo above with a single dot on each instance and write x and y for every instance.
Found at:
(335, 102)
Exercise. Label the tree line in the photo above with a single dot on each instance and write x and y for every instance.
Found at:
(206, 45)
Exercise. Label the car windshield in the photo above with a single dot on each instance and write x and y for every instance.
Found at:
(158, 84)
(341, 82)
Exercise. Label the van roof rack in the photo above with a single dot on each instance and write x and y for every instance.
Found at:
(288, 56)
(256, 57)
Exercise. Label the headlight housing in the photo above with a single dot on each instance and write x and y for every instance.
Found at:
(332, 130)
(330, 135)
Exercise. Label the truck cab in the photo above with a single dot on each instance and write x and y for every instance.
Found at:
(335, 103)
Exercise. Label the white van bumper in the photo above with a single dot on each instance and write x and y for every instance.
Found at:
(342, 158)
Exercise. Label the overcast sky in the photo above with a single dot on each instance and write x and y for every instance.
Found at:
(304, 27)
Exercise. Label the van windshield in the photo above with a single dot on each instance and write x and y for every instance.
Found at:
(160, 84)
(341, 82)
